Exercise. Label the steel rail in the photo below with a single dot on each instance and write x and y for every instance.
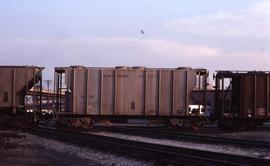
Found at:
(160, 154)
(176, 135)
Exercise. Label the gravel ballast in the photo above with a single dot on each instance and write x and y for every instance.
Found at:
(35, 150)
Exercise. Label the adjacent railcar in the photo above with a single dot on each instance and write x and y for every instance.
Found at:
(247, 98)
(94, 93)
(15, 83)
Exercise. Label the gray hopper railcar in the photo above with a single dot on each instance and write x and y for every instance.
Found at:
(88, 94)
(15, 83)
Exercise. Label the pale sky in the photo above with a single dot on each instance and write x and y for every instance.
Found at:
(213, 34)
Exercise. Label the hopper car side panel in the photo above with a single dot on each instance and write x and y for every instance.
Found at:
(180, 92)
(165, 92)
(93, 99)
(249, 96)
(15, 82)
(151, 92)
(130, 91)
(6, 87)
(107, 92)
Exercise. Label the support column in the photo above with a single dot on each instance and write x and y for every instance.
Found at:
(86, 90)
(159, 91)
(255, 94)
(173, 92)
(145, 92)
(14, 91)
(100, 91)
(40, 92)
(267, 95)
(187, 95)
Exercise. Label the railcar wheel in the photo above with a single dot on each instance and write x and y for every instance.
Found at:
(77, 123)
(180, 123)
(92, 122)
(86, 123)
(198, 124)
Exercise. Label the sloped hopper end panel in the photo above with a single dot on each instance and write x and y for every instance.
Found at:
(16, 82)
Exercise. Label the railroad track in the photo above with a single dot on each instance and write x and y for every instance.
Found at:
(10, 135)
(160, 154)
(176, 135)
